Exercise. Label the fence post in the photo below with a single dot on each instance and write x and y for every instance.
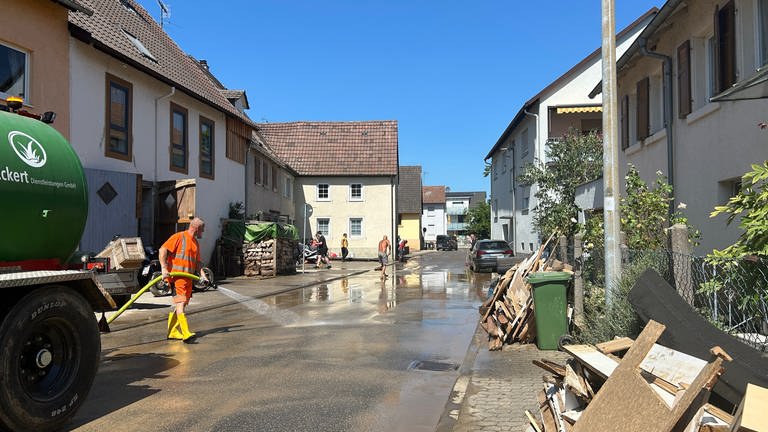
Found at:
(578, 282)
(681, 261)
(562, 243)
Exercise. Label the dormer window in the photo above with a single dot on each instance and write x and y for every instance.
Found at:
(139, 46)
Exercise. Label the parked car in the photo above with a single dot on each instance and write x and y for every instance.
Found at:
(488, 254)
(444, 242)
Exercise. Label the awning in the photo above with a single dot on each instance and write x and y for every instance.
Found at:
(579, 109)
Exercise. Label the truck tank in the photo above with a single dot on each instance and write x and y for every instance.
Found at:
(43, 191)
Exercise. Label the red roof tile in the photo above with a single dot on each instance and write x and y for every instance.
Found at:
(433, 194)
(335, 148)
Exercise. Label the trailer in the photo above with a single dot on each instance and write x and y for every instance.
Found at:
(49, 335)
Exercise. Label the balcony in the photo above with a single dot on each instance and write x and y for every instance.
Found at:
(455, 210)
(457, 226)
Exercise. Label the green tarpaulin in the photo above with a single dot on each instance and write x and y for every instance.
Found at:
(238, 232)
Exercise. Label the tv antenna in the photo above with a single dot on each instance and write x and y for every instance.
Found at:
(165, 12)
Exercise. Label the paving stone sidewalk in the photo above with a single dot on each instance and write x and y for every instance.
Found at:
(502, 385)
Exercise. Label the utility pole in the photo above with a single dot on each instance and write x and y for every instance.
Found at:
(610, 153)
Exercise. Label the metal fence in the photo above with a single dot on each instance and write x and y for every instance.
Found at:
(731, 293)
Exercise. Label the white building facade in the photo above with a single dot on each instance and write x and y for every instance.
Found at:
(562, 105)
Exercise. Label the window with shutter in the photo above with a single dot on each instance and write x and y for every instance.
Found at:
(643, 113)
(684, 79)
(725, 46)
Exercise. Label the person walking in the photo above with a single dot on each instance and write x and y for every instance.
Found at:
(181, 253)
(322, 251)
(344, 247)
(384, 248)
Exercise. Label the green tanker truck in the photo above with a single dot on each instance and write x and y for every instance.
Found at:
(49, 339)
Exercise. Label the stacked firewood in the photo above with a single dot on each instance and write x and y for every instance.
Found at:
(651, 389)
(507, 315)
(269, 257)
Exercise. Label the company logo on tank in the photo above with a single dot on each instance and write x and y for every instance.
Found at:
(32, 153)
(27, 149)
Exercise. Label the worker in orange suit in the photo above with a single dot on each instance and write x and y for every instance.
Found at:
(181, 253)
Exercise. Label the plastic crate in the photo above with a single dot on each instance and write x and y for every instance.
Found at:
(124, 253)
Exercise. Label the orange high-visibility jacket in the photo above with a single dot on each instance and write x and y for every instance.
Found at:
(184, 253)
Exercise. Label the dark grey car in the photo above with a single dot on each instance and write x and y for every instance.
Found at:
(485, 255)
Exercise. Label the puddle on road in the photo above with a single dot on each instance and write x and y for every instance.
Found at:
(367, 297)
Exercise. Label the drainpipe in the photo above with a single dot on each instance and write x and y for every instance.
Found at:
(667, 115)
(535, 146)
(154, 174)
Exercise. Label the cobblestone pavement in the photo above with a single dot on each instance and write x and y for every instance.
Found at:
(502, 385)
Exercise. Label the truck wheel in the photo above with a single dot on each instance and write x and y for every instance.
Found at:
(50, 355)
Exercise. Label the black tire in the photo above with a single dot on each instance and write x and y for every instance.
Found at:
(565, 339)
(159, 288)
(51, 349)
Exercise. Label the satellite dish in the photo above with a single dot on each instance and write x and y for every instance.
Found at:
(308, 210)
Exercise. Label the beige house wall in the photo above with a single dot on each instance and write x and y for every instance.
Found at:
(39, 28)
(716, 143)
(268, 198)
(409, 228)
(376, 209)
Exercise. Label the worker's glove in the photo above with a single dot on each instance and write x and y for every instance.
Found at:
(166, 274)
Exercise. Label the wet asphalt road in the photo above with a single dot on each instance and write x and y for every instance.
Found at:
(351, 355)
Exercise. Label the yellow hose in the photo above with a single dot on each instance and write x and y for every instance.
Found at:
(143, 290)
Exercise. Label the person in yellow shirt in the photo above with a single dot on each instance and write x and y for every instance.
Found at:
(344, 247)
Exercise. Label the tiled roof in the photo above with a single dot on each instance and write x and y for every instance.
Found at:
(433, 194)
(110, 29)
(74, 5)
(409, 190)
(362, 148)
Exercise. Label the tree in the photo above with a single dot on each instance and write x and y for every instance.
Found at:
(479, 220)
(750, 205)
(571, 161)
(645, 214)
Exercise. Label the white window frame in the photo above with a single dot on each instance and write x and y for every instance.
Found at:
(327, 231)
(328, 192)
(430, 211)
(362, 228)
(25, 90)
(353, 198)
(656, 103)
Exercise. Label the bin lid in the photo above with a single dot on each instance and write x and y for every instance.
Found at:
(543, 277)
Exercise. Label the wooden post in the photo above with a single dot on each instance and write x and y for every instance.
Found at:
(681, 261)
(578, 281)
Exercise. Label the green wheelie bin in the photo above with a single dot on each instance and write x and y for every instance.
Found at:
(550, 307)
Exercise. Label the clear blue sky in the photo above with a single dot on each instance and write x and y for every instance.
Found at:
(452, 73)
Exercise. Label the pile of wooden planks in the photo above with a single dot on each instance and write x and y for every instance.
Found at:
(651, 389)
(269, 257)
(508, 316)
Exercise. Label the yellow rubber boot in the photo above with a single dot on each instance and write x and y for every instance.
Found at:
(174, 329)
(186, 334)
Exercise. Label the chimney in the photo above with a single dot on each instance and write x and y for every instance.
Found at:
(204, 64)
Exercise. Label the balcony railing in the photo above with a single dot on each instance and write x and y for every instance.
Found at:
(455, 210)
